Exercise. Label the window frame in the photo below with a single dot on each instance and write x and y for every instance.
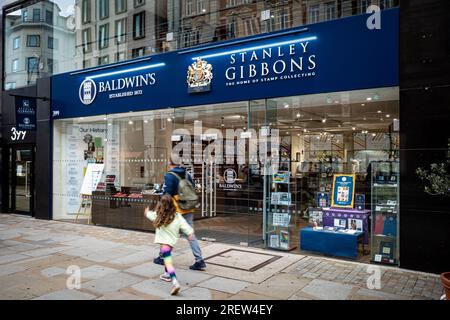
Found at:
(87, 45)
(15, 62)
(137, 4)
(105, 12)
(104, 40)
(16, 40)
(38, 15)
(142, 34)
(123, 35)
(124, 9)
(85, 11)
(28, 63)
(30, 36)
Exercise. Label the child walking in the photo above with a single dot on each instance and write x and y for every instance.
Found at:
(168, 226)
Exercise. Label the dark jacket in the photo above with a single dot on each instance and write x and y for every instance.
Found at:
(171, 182)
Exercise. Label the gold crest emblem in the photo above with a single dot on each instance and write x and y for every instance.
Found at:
(199, 76)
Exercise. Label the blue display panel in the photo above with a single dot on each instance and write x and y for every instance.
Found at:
(331, 56)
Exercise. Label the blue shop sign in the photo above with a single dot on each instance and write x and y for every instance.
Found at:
(332, 56)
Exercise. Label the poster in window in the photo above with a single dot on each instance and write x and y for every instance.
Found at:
(343, 195)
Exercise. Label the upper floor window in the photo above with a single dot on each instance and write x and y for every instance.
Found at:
(364, 5)
(15, 65)
(86, 11)
(32, 64)
(52, 43)
(103, 36)
(86, 64)
(121, 56)
(121, 6)
(33, 41)
(25, 15)
(87, 45)
(231, 3)
(231, 29)
(121, 30)
(103, 60)
(330, 10)
(385, 4)
(51, 66)
(138, 3)
(16, 43)
(36, 15)
(138, 52)
(139, 25)
(201, 6)
(103, 9)
(49, 17)
(189, 7)
(314, 14)
(250, 26)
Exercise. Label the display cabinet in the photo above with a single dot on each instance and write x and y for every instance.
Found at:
(385, 212)
(280, 211)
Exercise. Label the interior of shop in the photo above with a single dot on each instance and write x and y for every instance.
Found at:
(321, 136)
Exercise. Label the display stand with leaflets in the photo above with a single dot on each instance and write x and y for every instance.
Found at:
(91, 179)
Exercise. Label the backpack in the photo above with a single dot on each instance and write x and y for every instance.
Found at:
(188, 198)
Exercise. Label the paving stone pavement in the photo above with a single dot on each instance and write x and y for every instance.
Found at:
(114, 264)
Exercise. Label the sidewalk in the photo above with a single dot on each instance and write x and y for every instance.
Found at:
(117, 264)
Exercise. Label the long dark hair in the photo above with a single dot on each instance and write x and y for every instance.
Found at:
(165, 211)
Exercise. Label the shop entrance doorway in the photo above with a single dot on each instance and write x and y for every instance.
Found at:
(231, 186)
(21, 179)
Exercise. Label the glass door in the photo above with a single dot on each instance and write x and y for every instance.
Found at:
(22, 180)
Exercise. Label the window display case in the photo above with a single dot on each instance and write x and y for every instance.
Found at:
(281, 219)
(385, 212)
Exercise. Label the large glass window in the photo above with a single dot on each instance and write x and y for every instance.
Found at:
(16, 43)
(103, 9)
(86, 11)
(121, 30)
(87, 41)
(36, 15)
(121, 6)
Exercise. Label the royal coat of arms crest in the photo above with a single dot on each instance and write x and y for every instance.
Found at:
(199, 76)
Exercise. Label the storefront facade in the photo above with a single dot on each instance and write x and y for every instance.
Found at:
(264, 124)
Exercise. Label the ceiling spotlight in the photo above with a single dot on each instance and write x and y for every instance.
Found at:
(337, 102)
(286, 105)
(374, 134)
(388, 116)
(145, 121)
(106, 140)
(369, 98)
(305, 130)
(287, 132)
(298, 115)
(222, 125)
(379, 111)
(109, 124)
(169, 119)
(104, 118)
(353, 128)
(130, 122)
(203, 10)
(324, 120)
(363, 104)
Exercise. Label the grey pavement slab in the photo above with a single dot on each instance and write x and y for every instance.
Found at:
(368, 294)
(191, 278)
(66, 294)
(96, 272)
(24, 247)
(52, 271)
(197, 293)
(45, 251)
(120, 295)
(8, 269)
(134, 258)
(154, 287)
(327, 290)
(148, 270)
(280, 286)
(224, 285)
(111, 282)
(12, 258)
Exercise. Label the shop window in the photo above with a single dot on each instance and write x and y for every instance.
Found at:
(33, 41)
(314, 14)
(15, 65)
(103, 36)
(16, 43)
(121, 6)
(138, 3)
(53, 43)
(86, 11)
(87, 42)
(36, 15)
(139, 25)
(49, 17)
(330, 10)
(103, 9)
(121, 30)
(103, 60)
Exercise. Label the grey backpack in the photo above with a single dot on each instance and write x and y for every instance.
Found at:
(188, 198)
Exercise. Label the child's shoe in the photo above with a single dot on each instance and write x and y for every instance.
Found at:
(165, 277)
(175, 289)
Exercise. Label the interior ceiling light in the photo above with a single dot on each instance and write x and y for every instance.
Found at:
(130, 122)
(286, 105)
(324, 120)
(388, 115)
(298, 115)
(379, 111)
(369, 98)
(329, 100)
(353, 128)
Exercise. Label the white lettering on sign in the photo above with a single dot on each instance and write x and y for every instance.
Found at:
(284, 62)
(17, 135)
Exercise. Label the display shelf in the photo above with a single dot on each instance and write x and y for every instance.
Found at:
(385, 208)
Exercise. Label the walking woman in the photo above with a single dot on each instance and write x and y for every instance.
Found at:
(168, 224)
